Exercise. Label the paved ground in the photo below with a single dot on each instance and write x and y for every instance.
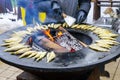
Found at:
(8, 72)
(114, 70)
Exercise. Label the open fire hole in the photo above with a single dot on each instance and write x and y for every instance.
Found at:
(59, 41)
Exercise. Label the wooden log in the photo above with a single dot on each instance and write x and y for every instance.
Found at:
(51, 46)
(82, 43)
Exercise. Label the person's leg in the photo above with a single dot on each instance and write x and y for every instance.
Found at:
(19, 13)
(36, 15)
(28, 17)
(37, 11)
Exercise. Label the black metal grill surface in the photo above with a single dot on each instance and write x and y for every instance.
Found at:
(83, 59)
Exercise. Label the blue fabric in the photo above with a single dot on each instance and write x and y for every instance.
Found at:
(70, 7)
(31, 11)
(22, 3)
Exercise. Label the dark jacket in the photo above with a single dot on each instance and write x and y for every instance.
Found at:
(71, 7)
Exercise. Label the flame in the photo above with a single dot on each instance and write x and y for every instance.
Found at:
(47, 32)
(59, 34)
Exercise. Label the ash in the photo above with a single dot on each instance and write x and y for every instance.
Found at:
(69, 42)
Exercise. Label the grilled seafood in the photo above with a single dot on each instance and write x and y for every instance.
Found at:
(20, 51)
(74, 26)
(82, 27)
(65, 25)
(17, 44)
(108, 35)
(110, 42)
(26, 54)
(9, 44)
(30, 29)
(14, 48)
(13, 39)
(98, 48)
(37, 55)
(107, 38)
(56, 26)
(42, 55)
(20, 34)
(32, 55)
(50, 25)
(104, 45)
(50, 56)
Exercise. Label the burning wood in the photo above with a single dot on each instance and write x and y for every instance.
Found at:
(68, 41)
(82, 43)
(51, 46)
(47, 32)
(61, 42)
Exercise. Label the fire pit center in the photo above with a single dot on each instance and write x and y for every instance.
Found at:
(59, 40)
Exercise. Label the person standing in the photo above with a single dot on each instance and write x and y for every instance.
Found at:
(53, 10)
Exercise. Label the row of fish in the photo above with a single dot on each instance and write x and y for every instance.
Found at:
(16, 47)
(107, 37)
(26, 51)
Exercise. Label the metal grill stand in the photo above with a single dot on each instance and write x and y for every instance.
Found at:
(91, 75)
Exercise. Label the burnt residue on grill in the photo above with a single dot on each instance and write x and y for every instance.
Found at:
(68, 58)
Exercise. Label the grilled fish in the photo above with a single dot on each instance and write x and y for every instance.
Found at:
(14, 48)
(98, 48)
(26, 54)
(21, 50)
(50, 56)
(13, 39)
(43, 54)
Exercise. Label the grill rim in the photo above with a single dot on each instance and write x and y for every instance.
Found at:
(61, 69)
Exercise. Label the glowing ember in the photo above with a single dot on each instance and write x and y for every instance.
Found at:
(47, 33)
(59, 34)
